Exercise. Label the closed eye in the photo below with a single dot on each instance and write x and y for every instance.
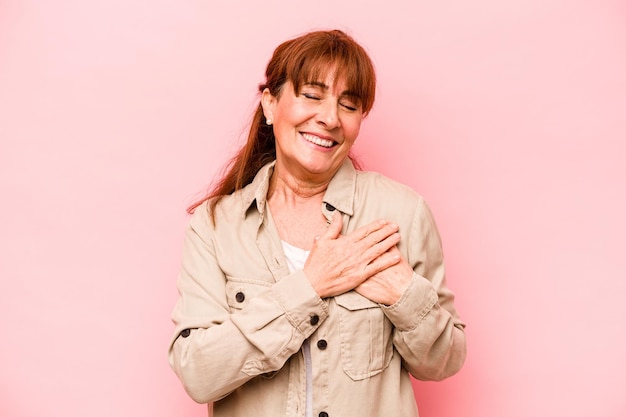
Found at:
(349, 106)
(311, 96)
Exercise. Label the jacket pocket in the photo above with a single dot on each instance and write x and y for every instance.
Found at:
(239, 291)
(366, 336)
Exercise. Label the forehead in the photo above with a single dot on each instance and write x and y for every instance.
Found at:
(330, 83)
(330, 78)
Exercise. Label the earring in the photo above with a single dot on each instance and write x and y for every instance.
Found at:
(268, 122)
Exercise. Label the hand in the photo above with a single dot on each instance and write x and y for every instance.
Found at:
(387, 286)
(339, 263)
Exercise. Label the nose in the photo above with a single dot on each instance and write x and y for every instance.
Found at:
(328, 114)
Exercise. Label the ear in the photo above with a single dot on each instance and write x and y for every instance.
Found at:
(268, 102)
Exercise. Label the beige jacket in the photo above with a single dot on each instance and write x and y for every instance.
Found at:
(242, 317)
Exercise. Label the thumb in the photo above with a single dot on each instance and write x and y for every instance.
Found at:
(334, 228)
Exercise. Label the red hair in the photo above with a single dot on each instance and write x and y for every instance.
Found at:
(300, 60)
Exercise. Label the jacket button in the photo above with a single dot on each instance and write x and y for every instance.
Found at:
(315, 319)
(185, 333)
(240, 297)
(321, 344)
(323, 414)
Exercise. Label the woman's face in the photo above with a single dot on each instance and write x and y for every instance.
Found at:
(314, 127)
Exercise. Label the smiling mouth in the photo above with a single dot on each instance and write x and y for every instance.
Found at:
(325, 143)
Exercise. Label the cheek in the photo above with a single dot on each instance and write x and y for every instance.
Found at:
(351, 129)
(291, 112)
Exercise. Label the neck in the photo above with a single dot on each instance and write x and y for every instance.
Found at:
(292, 189)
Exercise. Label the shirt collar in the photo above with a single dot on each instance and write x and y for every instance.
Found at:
(339, 194)
(256, 191)
(340, 191)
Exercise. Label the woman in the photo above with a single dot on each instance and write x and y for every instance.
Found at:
(310, 288)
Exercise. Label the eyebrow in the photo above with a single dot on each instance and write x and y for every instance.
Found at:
(325, 87)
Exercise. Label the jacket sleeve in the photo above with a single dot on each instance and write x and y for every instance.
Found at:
(428, 334)
(215, 348)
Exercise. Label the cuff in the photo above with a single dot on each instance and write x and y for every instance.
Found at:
(303, 307)
(414, 304)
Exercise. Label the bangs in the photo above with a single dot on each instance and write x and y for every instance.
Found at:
(357, 83)
(318, 55)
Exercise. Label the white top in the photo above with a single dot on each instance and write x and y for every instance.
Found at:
(296, 257)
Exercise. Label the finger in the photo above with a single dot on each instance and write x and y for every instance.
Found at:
(334, 228)
(382, 262)
(380, 234)
(364, 231)
(377, 249)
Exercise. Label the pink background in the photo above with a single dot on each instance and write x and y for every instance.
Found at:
(508, 116)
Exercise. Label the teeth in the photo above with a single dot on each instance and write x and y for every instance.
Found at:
(318, 141)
